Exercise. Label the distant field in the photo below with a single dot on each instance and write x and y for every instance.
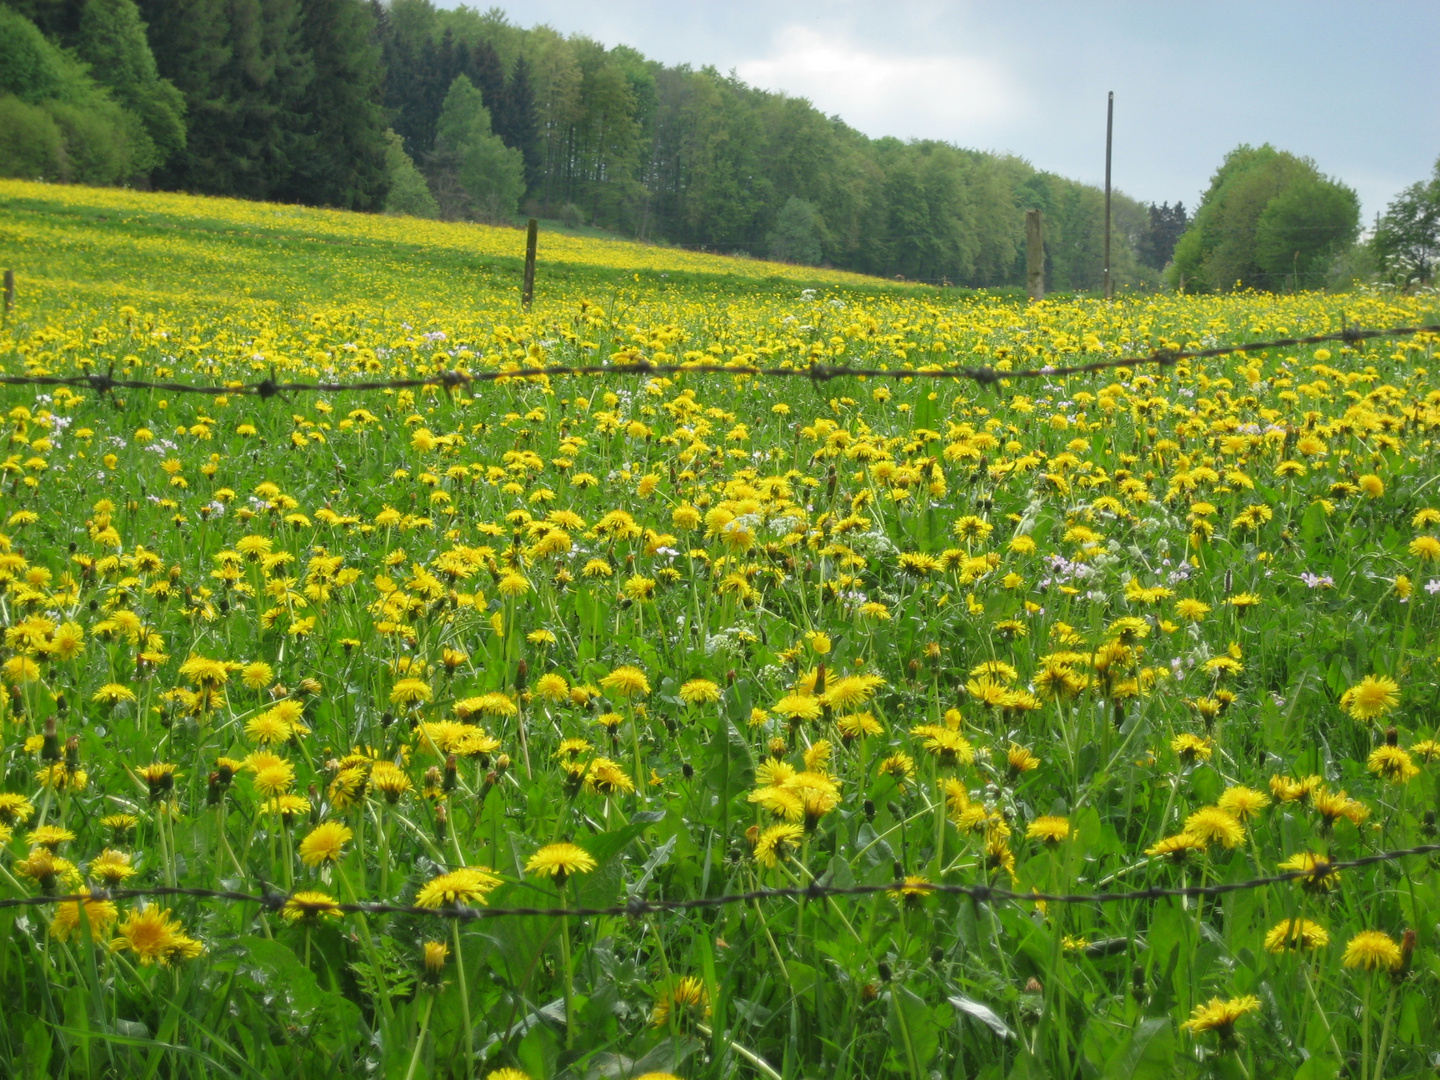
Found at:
(555, 641)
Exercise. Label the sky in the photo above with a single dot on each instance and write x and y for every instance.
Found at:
(1353, 85)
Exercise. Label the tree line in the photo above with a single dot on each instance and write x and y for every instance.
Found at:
(408, 108)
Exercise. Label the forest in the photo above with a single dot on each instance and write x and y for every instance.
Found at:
(406, 107)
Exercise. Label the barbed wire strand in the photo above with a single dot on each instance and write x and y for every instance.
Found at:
(815, 373)
(636, 906)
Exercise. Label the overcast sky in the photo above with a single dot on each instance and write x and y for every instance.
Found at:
(1354, 85)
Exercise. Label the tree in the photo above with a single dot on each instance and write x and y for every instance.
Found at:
(1167, 224)
(1407, 240)
(190, 42)
(477, 173)
(343, 114)
(797, 233)
(1303, 228)
(1268, 220)
(112, 41)
(99, 141)
(409, 194)
(517, 125)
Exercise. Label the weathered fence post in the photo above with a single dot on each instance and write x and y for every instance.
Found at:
(1034, 255)
(527, 290)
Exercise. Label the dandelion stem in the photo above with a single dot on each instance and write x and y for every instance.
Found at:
(420, 1037)
(465, 1001)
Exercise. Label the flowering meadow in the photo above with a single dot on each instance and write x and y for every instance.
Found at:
(572, 641)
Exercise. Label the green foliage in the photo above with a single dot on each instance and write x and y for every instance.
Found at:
(112, 41)
(1407, 242)
(797, 233)
(478, 174)
(1269, 220)
(101, 141)
(409, 194)
(344, 160)
(30, 67)
(31, 146)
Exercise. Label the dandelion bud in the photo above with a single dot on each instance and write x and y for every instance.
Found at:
(1392, 737)
(50, 748)
(1407, 950)
(72, 752)
(522, 675)
(214, 791)
(937, 956)
(502, 764)
(442, 823)
(436, 953)
(1034, 986)
(883, 970)
(61, 704)
(314, 805)
(869, 809)
(1137, 980)
(897, 869)
(448, 784)
(688, 771)
(1427, 824)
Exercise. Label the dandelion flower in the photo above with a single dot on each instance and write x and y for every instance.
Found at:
(410, 692)
(324, 843)
(1372, 697)
(1242, 803)
(1220, 1016)
(309, 907)
(1393, 763)
(1177, 848)
(1298, 935)
(776, 843)
(1316, 872)
(153, 937)
(1049, 829)
(627, 681)
(99, 916)
(1215, 826)
(699, 692)
(1373, 950)
(560, 861)
(687, 1001)
(468, 885)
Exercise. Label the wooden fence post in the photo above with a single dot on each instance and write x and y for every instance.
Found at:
(1034, 255)
(527, 290)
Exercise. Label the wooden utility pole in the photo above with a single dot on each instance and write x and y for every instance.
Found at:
(527, 290)
(1109, 135)
(1034, 255)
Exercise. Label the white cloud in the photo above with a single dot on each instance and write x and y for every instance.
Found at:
(957, 97)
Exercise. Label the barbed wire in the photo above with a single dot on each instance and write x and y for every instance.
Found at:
(816, 373)
(1317, 875)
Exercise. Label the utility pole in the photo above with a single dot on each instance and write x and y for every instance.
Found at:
(1109, 136)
